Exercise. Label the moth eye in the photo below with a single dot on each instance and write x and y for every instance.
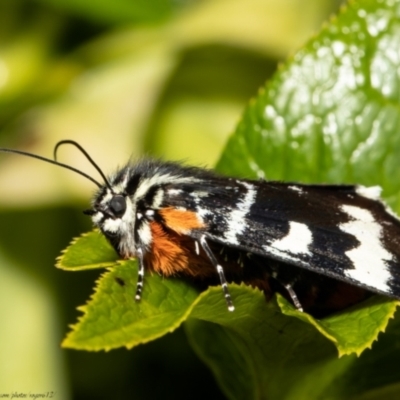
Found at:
(118, 205)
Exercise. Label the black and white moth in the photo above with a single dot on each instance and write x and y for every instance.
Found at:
(286, 237)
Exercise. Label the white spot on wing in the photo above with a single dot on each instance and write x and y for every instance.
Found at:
(237, 216)
(370, 257)
(295, 188)
(373, 192)
(295, 242)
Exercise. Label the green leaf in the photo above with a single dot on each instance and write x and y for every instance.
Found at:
(113, 319)
(354, 330)
(118, 11)
(257, 353)
(329, 115)
(89, 251)
(267, 355)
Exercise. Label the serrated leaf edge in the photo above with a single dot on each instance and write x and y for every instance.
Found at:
(81, 318)
(60, 258)
(66, 249)
(342, 350)
(66, 342)
(285, 307)
(378, 330)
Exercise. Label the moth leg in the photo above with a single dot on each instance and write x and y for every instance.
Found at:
(293, 296)
(196, 247)
(220, 270)
(139, 285)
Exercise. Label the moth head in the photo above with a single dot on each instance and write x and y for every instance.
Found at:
(110, 211)
(111, 205)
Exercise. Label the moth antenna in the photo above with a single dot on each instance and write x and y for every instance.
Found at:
(50, 161)
(86, 154)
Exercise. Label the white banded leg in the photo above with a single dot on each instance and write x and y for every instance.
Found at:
(139, 285)
(293, 296)
(220, 271)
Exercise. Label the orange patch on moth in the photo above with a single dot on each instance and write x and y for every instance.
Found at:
(166, 257)
(181, 221)
(173, 254)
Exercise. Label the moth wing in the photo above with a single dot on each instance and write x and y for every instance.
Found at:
(344, 232)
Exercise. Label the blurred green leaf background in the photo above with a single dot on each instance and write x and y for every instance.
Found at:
(166, 78)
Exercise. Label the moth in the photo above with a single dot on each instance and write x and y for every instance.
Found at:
(324, 247)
